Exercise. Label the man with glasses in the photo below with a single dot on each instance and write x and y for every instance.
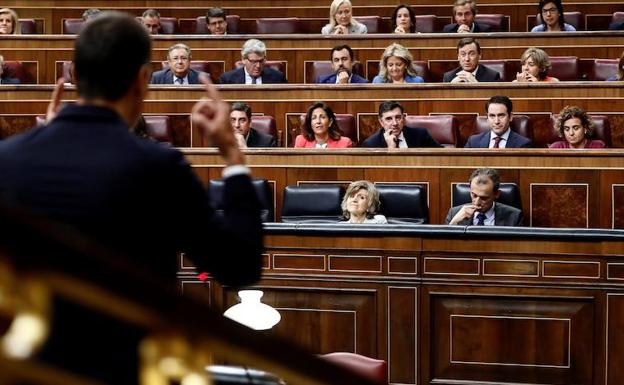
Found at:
(469, 70)
(254, 70)
(179, 71)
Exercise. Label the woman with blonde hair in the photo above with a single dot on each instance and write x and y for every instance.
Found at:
(361, 203)
(576, 127)
(9, 22)
(395, 66)
(341, 21)
(535, 66)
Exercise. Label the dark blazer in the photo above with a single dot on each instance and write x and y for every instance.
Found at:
(484, 74)
(414, 136)
(237, 76)
(503, 216)
(166, 77)
(259, 139)
(482, 140)
(9, 81)
(616, 26)
(478, 27)
(331, 79)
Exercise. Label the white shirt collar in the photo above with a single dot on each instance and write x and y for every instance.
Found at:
(184, 80)
(504, 138)
(489, 217)
(402, 141)
(248, 78)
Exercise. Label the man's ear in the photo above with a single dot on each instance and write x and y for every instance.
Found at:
(511, 117)
(497, 194)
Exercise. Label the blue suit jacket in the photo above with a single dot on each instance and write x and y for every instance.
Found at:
(237, 76)
(9, 81)
(483, 141)
(331, 79)
(166, 77)
(414, 136)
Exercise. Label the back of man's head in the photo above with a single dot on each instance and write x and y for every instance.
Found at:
(108, 54)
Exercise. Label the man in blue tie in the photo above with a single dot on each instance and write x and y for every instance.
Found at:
(179, 71)
(484, 211)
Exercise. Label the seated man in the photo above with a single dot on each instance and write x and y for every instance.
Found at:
(254, 70)
(483, 211)
(247, 136)
(469, 70)
(342, 63)
(464, 12)
(5, 80)
(216, 21)
(499, 116)
(394, 133)
(179, 71)
(151, 21)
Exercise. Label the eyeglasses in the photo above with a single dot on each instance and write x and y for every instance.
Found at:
(254, 62)
(549, 10)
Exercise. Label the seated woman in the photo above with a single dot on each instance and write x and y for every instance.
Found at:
(620, 75)
(9, 22)
(395, 66)
(403, 19)
(321, 129)
(360, 203)
(552, 17)
(535, 66)
(576, 127)
(341, 21)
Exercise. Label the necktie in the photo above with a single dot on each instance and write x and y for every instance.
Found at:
(497, 140)
(397, 142)
(480, 219)
(179, 80)
(254, 80)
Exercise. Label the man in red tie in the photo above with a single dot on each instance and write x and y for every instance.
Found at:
(499, 116)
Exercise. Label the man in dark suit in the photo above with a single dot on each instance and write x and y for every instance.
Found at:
(483, 211)
(464, 12)
(394, 133)
(254, 70)
(179, 71)
(247, 136)
(499, 115)
(139, 199)
(4, 80)
(342, 64)
(469, 70)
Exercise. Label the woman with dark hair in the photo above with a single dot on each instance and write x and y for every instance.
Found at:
(620, 74)
(403, 19)
(321, 129)
(361, 203)
(551, 12)
(576, 127)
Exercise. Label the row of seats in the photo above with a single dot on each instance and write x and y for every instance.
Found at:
(400, 203)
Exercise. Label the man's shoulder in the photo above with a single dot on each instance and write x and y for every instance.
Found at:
(486, 73)
(230, 75)
(260, 139)
(519, 139)
(375, 140)
(474, 140)
(273, 75)
(160, 76)
(331, 78)
(481, 27)
(450, 27)
(449, 75)
(355, 78)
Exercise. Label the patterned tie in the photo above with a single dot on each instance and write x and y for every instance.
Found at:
(481, 219)
(179, 80)
(497, 140)
(254, 80)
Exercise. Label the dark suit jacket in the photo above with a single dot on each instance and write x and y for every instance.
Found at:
(504, 215)
(9, 81)
(482, 140)
(259, 139)
(166, 77)
(484, 74)
(237, 76)
(616, 26)
(414, 136)
(331, 79)
(478, 27)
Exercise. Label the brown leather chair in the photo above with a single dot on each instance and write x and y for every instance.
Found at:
(65, 69)
(159, 128)
(15, 69)
(617, 17)
(564, 68)
(28, 26)
(231, 20)
(497, 22)
(277, 25)
(575, 19)
(347, 125)
(499, 66)
(376, 370)
(602, 69)
(264, 124)
(521, 125)
(372, 23)
(276, 65)
(324, 67)
(602, 129)
(72, 26)
(426, 23)
(443, 128)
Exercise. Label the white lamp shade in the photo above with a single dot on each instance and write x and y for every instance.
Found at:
(253, 313)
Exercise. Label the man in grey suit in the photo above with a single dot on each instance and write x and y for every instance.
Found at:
(179, 71)
(247, 136)
(499, 115)
(484, 211)
(469, 70)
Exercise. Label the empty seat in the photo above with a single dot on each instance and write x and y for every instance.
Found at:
(509, 195)
(603, 69)
(347, 125)
(426, 23)
(325, 68)
(497, 22)
(72, 26)
(372, 23)
(277, 25)
(602, 129)
(403, 203)
(564, 67)
(168, 25)
(231, 20)
(498, 65)
(264, 124)
(617, 17)
(376, 370)
(575, 19)
(28, 26)
(159, 128)
(312, 203)
(443, 128)
(263, 192)
(520, 124)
